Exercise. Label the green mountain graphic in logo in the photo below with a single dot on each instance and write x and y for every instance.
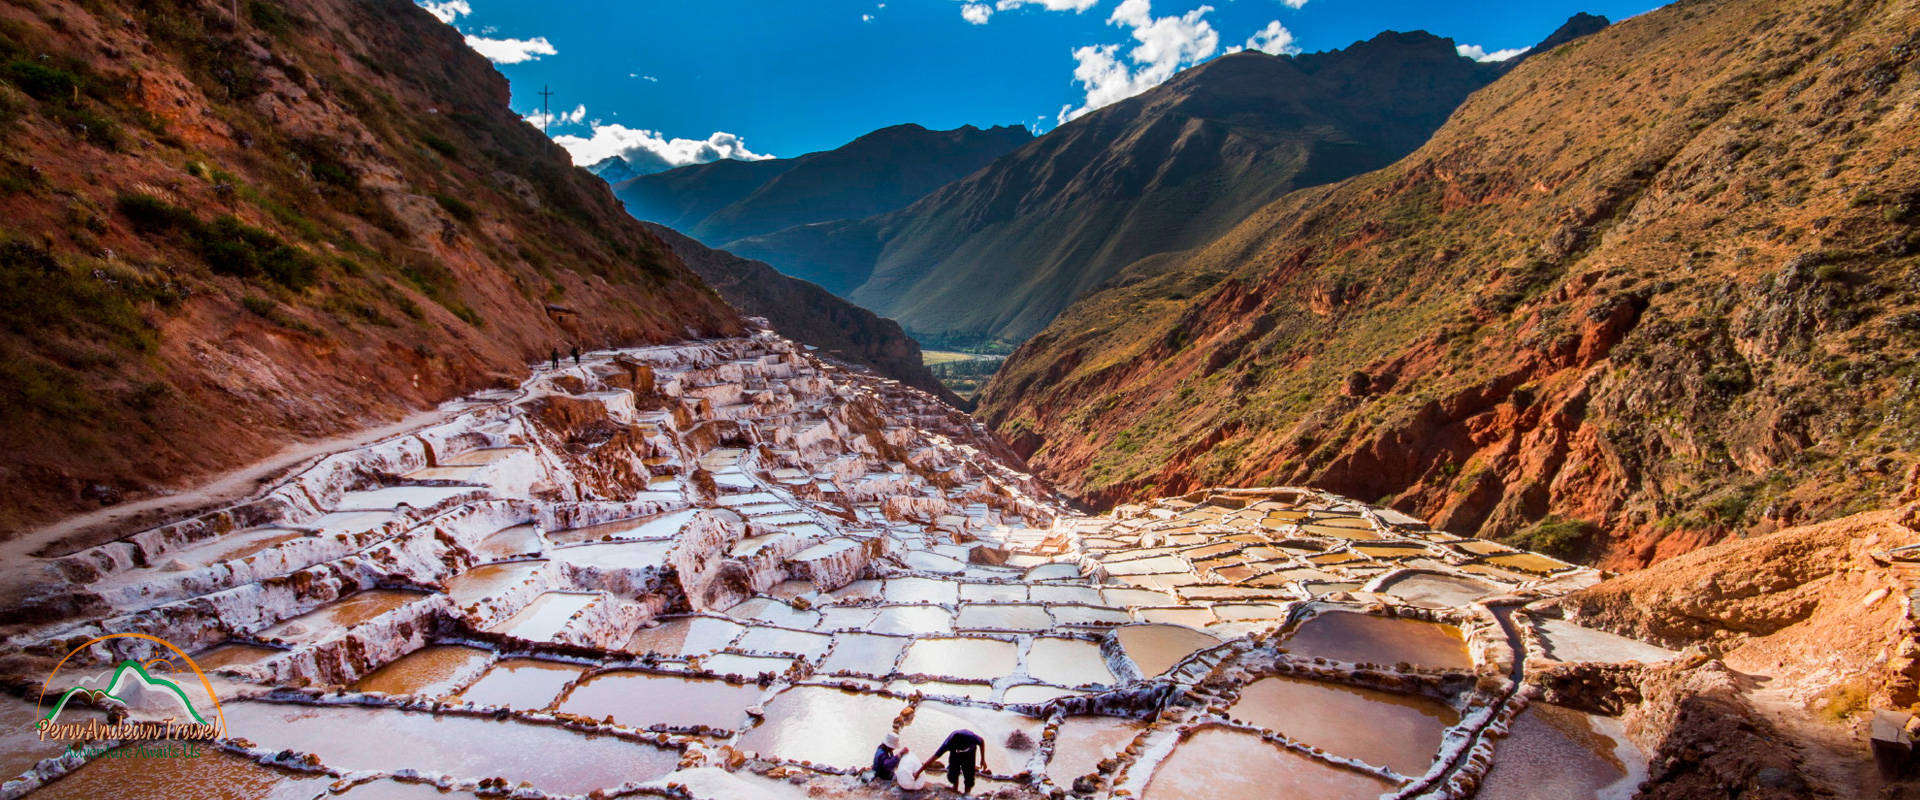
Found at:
(139, 690)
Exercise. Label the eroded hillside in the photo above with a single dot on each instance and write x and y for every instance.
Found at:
(1659, 283)
(809, 314)
(219, 236)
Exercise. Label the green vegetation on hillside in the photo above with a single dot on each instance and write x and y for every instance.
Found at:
(963, 373)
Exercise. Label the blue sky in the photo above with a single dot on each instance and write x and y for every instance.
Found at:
(682, 82)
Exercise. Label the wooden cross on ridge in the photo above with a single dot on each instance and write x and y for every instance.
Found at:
(546, 117)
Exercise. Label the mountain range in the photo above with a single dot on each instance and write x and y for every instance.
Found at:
(993, 255)
(729, 200)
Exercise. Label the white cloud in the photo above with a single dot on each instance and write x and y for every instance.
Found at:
(1274, 40)
(866, 17)
(1294, 4)
(647, 78)
(447, 11)
(498, 51)
(512, 51)
(1478, 53)
(574, 117)
(650, 151)
(1165, 46)
(978, 11)
(1075, 6)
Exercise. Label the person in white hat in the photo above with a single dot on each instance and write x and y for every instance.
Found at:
(886, 757)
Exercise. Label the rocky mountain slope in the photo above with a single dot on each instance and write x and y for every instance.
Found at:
(1654, 288)
(879, 172)
(996, 255)
(220, 237)
(1808, 627)
(807, 313)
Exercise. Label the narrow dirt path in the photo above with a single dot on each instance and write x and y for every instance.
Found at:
(1835, 754)
(114, 522)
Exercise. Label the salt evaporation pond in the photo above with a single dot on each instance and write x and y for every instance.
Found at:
(1002, 617)
(1036, 693)
(487, 581)
(780, 640)
(344, 613)
(864, 654)
(827, 726)
(1088, 616)
(1185, 616)
(640, 700)
(392, 497)
(1349, 721)
(551, 758)
(1156, 648)
(993, 592)
(349, 522)
(213, 775)
(1067, 662)
(913, 620)
(1558, 752)
(1082, 741)
(222, 656)
(389, 789)
(745, 665)
(840, 618)
(658, 526)
(235, 546)
(480, 457)
(509, 542)
(1529, 562)
(685, 636)
(774, 612)
(979, 659)
(1217, 763)
(432, 671)
(908, 591)
(546, 616)
(713, 783)
(523, 683)
(1367, 639)
(20, 744)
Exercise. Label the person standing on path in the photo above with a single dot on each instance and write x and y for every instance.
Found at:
(576, 355)
(553, 358)
(966, 746)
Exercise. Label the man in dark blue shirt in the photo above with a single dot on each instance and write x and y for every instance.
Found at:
(886, 757)
(966, 746)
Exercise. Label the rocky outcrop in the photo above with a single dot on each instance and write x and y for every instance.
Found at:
(1706, 740)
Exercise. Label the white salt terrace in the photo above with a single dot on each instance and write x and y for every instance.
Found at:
(770, 579)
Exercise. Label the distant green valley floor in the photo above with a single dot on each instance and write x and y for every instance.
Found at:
(963, 373)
